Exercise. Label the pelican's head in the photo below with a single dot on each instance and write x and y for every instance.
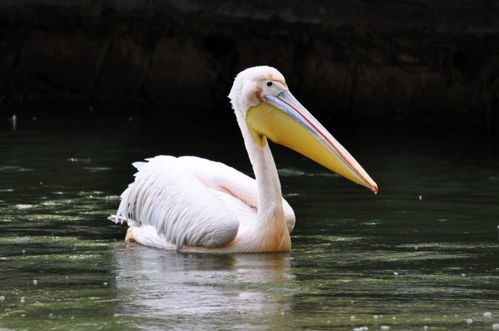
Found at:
(261, 97)
(252, 84)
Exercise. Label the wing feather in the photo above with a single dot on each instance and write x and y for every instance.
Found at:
(169, 197)
(221, 176)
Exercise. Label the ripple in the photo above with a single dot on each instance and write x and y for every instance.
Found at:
(67, 241)
(90, 193)
(112, 197)
(290, 172)
(293, 172)
(15, 169)
(97, 169)
(55, 217)
(80, 160)
(413, 256)
(451, 246)
(24, 206)
(372, 223)
(289, 195)
(334, 238)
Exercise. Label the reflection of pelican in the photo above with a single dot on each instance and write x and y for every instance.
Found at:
(190, 291)
(194, 204)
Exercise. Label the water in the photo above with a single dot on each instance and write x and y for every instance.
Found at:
(423, 253)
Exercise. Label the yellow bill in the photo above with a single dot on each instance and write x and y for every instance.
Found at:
(283, 120)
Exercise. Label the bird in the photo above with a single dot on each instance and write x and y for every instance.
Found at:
(191, 204)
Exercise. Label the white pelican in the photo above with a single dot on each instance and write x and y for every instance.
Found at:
(197, 205)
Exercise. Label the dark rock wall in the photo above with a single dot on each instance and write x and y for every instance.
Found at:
(430, 61)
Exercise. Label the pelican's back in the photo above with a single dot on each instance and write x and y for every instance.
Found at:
(166, 195)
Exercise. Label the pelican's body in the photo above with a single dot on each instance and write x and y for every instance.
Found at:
(193, 204)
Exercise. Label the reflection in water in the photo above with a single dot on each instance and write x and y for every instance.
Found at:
(173, 286)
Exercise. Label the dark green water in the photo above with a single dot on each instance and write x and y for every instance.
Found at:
(423, 253)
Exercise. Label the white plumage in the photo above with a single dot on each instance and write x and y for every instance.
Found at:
(190, 201)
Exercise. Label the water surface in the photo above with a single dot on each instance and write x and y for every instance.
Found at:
(423, 253)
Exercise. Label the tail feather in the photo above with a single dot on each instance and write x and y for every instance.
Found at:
(117, 219)
(139, 164)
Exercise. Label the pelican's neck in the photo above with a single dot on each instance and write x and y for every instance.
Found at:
(269, 207)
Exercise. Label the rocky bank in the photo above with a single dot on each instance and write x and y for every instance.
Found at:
(410, 61)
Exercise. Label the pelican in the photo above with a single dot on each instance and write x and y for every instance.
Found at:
(193, 204)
